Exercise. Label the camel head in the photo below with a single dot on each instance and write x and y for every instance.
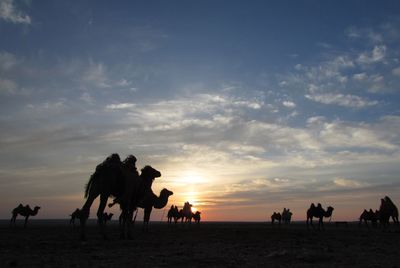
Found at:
(329, 211)
(36, 208)
(166, 192)
(150, 173)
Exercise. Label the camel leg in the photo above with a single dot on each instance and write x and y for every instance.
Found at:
(13, 218)
(26, 221)
(122, 223)
(311, 223)
(146, 218)
(129, 223)
(100, 214)
(85, 214)
(321, 224)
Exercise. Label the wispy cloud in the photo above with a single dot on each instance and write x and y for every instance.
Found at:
(9, 12)
(350, 101)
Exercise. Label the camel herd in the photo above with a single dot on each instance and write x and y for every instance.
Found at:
(185, 214)
(131, 190)
(386, 211)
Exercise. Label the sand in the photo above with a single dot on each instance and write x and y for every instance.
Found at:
(56, 244)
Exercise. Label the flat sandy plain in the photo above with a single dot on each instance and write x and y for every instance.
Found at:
(55, 243)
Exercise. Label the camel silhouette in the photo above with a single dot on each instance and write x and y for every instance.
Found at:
(150, 201)
(276, 217)
(24, 211)
(386, 210)
(173, 214)
(286, 216)
(122, 181)
(318, 212)
(369, 216)
(196, 216)
(187, 212)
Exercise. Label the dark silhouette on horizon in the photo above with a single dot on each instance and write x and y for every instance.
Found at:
(122, 181)
(173, 214)
(286, 216)
(196, 217)
(318, 212)
(24, 211)
(369, 215)
(276, 216)
(388, 210)
(150, 201)
(186, 213)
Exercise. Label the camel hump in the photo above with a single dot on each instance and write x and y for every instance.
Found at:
(111, 160)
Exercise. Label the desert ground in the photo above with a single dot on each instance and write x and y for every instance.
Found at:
(55, 244)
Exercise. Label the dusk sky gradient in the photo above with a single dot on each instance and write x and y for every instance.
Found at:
(246, 107)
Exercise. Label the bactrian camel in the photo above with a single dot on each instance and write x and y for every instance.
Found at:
(122, 181)
(24, 211)
(369, 216)
(149, 202)
(318, 212)
(276, 216)
(388, 209)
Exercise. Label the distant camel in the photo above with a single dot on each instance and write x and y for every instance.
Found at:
(150, 201)
(196, 216)
(121, 180)
(187, 212)
(369, 216)
(173, 214)
(318, 212)
(181, 216)
(276, 217)
(388, 209)
(24, 211)
(286, 216)
(77, 214)
(107, 217)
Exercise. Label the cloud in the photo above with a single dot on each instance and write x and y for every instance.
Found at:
(95, 75)
(10, 13)
(7, 61)
(120, 106)
(376, 55)
(396, 71)
(360, 76)
(351, 101)
(289, 104)
(343, 182)
(8, 86)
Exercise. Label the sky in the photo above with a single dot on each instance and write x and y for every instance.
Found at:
(245, 107)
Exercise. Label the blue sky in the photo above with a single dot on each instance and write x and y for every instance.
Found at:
(244, 107)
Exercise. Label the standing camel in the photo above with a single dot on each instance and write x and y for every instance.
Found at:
(369, 216)
(276, 217)
(173, 213)
(286, 216)
(388, 209)
(196, 216)
(187, 212)
(24, 211)
(121, 180)
(150, 201)
(318, 212)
